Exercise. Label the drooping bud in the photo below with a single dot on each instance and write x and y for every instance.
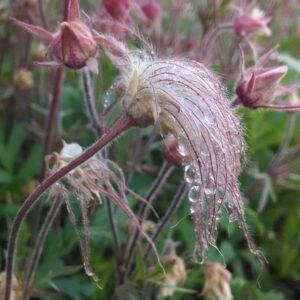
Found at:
(253, 22)
(175, 152)
(75, 46)
(217, 281)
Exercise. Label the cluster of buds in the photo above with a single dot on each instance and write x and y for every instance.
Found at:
(73, 44)
(217, 282)
(259, 85)
(246, 23)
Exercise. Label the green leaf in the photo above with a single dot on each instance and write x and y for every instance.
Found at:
(4, 177)
(16, 139)
(32, 164)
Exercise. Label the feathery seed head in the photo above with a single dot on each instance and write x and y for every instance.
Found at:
(187, 101)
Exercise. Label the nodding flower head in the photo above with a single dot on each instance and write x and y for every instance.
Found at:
(259, 85)
(254, 22)
(73, 44)
(187, 101)
(96, 176)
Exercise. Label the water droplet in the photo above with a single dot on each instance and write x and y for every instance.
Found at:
(183, 149)
(194, 193)
(190, 174)
(192, 209)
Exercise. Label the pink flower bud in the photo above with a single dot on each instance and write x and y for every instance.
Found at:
(74, 45)
(118, 9)
(174, 152)
(258, 84)
(245, 23)
(151, 10)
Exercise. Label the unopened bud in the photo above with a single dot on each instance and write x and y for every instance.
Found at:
(151, 10)
(118, 9)
(75, 45)
(175, 152)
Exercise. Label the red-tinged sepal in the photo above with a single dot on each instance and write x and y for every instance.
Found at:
(35, 31)
(73, 11)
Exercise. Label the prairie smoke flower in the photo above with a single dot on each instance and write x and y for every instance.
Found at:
(73, 44)
(217, 282)
(254, 22)
(97, 176)
(187, 101)
(258, 86)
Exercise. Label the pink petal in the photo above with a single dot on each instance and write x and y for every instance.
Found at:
(250, 84)
(73, 11)
(36, 31)
(266, 57)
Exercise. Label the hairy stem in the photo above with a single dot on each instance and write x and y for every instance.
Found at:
(40, 245)
(90, 102)
(53, 114)
(96, 125)
(160, 180)
(124, 123)
(279, 107)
